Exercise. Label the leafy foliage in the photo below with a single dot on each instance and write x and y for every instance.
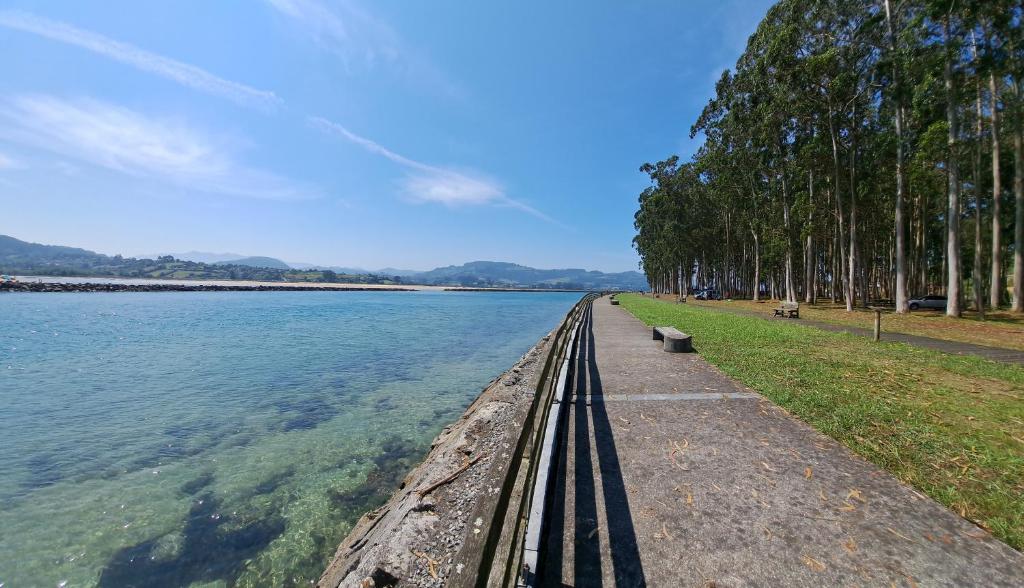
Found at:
(839, 117)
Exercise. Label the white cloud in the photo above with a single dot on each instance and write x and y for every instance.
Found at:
(182, 73)
(119, 139)
(351, 32)
(434, 184)
(363, 42)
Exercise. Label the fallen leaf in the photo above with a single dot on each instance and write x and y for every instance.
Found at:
(808, 473)
(847, 507)
(850, 544)
(689, 499)
(821, 495)
(813, 563)
(768, 467)
(855, 495)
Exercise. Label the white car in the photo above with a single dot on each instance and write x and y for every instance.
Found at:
(930, 301)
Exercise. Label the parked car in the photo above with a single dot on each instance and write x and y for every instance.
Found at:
(930, 301)
(708, 295)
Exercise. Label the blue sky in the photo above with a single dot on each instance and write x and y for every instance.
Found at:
(356, 133)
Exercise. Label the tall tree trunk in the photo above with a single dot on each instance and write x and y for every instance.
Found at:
(757, 266)
(953, 206)
(852, 280)
(809, 244)
(790, 290)
(900, 228)
(1018, 197)
(922, 248)
(996, 282)
(847, 286)
(979, 132)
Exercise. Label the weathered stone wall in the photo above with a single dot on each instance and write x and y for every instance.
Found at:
(417, 538)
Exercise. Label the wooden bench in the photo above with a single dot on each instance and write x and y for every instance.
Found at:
(790, 308)
(682, 298)
(614, 301)
(675, 341)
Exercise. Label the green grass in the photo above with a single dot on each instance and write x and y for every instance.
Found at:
(951, 426)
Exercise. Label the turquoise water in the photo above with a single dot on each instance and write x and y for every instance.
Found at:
(227, 438)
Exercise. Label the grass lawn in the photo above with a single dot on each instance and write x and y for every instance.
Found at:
(1000, 329)
(951, 426)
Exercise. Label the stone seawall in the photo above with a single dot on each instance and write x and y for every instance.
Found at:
(433, 522)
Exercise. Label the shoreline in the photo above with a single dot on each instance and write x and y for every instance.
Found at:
(101, 284)
(431, 531)
(95, 287)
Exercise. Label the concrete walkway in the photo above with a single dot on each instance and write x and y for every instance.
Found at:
(671, 474)
(954, 347)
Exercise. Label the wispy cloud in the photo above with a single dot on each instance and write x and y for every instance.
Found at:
(364, 42)
(120, 139)
(182, 73)
(344, 28)
(430, 183)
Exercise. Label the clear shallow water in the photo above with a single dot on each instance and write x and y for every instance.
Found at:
(227, 438)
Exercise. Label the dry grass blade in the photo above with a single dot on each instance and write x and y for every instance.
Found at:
(813, 563)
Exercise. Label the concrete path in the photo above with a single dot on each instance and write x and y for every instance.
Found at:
(954, 347)
(671, 474)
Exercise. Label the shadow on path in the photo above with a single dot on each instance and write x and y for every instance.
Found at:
(621, 536)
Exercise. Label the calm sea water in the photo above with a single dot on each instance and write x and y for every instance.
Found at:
(227, 438)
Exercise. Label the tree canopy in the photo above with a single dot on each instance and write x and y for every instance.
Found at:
(857, 151)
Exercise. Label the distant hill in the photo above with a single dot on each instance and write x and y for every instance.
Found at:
(256, 261)
(390, 271)
(23, 258)
(17, 253)
(502, 274)
(197, 256)
(333, 268)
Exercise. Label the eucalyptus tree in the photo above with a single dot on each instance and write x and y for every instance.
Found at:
(892, 23)
(838, 132)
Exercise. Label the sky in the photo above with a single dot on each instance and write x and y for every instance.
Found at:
(351, 132)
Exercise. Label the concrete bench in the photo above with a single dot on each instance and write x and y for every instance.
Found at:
(675, 341)
(791, 308)
(614, 302)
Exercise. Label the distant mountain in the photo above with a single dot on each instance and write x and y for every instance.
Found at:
(17, 253)
(23, 258)
(390, 271)
(333, 268)
(197, 256)
(257, 261)
(502, 274)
